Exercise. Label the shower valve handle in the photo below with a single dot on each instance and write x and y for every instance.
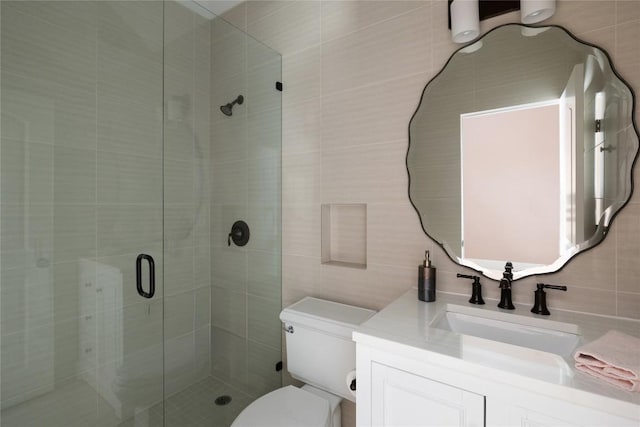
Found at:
(239, 234)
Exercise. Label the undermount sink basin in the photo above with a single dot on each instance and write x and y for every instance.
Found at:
(523, 331)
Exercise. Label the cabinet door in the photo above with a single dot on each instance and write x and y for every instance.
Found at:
(403, 399)
(549, 413)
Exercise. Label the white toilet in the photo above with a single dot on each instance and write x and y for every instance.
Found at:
(321, 354)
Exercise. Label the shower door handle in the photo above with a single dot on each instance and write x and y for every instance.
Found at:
(152, 276)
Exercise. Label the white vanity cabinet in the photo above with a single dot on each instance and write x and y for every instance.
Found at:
(394, 391)
(412, 374)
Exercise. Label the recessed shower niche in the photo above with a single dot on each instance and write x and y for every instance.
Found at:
(344, 235)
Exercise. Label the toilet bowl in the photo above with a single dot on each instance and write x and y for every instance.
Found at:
(292, 407)
(320, 353)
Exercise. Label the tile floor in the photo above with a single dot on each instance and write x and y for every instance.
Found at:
(76, 404)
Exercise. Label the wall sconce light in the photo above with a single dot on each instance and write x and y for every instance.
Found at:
(465, 20)
(465, 15)
(534, 11)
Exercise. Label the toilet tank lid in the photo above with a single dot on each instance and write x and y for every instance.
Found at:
(310, 310)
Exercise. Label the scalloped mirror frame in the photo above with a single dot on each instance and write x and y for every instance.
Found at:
(607, 218)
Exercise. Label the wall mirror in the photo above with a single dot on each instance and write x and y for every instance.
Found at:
(522, 150)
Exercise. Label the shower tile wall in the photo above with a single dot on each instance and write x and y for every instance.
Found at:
(245, 185)
(353, 74)
(82, 195)
(82, 190)
(186, 197)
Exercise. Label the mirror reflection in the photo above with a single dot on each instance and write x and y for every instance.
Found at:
(521, 150)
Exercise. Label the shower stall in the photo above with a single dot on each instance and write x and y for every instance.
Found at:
(128, 294)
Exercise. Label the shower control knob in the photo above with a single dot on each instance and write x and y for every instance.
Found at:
(239, 234)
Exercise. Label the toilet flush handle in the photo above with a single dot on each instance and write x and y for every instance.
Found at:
(288, 329)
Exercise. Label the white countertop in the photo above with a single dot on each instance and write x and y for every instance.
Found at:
(403, 326)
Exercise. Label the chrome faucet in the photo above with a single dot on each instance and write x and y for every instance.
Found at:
(505, 288)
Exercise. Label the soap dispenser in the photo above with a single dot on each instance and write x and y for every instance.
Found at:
(426, 280)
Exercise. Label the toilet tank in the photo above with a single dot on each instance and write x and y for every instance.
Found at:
(320, 351)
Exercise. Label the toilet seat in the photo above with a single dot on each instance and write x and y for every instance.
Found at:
(286, 407)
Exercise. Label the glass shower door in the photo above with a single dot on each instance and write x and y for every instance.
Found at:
(81, 209)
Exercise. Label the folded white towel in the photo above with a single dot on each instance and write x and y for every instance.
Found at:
(614, 357)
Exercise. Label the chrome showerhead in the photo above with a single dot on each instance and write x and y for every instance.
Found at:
(227, 108)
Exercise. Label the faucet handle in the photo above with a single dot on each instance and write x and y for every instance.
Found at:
(540, 304)
(476, 294)
(545, 286)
